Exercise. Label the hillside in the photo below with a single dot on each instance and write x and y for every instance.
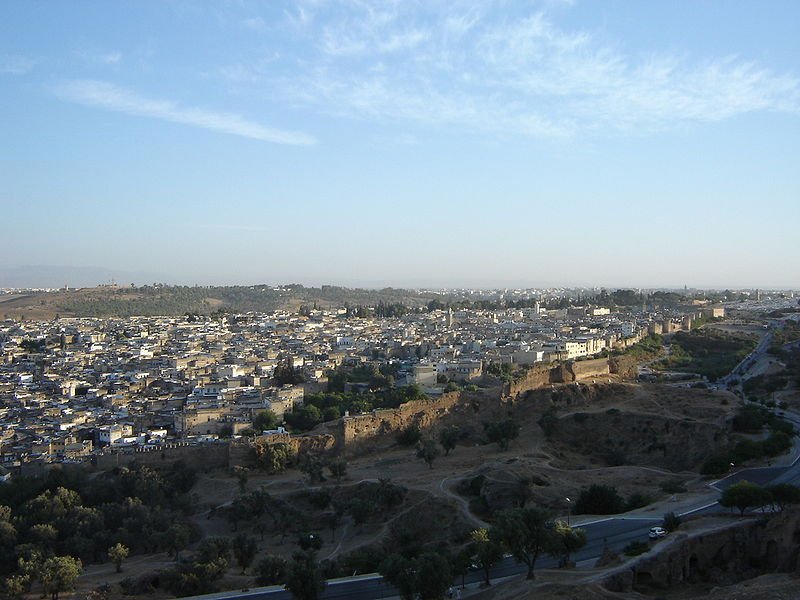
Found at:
(163, 300)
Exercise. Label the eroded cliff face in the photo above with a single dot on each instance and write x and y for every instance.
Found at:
(633, 438)
(743, 549)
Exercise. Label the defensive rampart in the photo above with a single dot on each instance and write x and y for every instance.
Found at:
(568, 372)
(355, 431)
(197, 456)
(242, 450)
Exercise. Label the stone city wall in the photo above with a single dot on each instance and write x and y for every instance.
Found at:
(586, 369)
(242, 450)
(355, 431)
(196, 456)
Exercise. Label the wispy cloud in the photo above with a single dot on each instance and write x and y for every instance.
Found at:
(15, 64)
(99, 57)
(475, 68)
(100, 94)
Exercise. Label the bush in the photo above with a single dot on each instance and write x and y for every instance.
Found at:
(271, 570)
(750, 419)
(716, 465)
(746, 450)
(636, 548)
(671, 521)
(777, 443)
(638, 500)
(672, 487)
(548, 422)
(409, 436)
(502, 432)
(599, 500)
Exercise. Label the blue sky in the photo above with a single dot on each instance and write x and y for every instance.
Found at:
(614, 143)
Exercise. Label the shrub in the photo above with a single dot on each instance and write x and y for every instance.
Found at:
(636, 548)
(548, 422)
(599, 500)
(671, 521)
(672, 487)
(747, 450)
(777, 443)
(410, 435)
(637, 500)
(716, 465)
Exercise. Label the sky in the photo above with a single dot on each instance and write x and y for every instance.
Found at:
(423, 144)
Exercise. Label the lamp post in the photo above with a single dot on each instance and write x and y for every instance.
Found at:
(569, 510)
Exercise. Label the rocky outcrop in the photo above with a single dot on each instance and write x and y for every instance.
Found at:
(741, 550)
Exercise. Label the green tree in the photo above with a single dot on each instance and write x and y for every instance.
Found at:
(501, 433)
(271, 570)
(244, 549)
(448, 438)
(44, 535)
(433, 576)
(784, 494)
(273, 458)
(285, 373)
(526, 532)
(401, 573)
(359, 509)
(307, 417)
(213, 549)
(59, 574)
(428, 450)
(241, 477)
(337, 467)
(265, 420)
(487, 551)
(565, 540)
(304, 579)
(176, 538)
(312, 466)
(599, 500)
(118, 553)
(16, 586)
(410, 435)
(671, 522)
(8, 535)
(744, 495)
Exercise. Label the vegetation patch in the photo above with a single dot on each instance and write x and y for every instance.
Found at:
(706, 352)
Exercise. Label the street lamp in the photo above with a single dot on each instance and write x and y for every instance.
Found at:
(569, 510)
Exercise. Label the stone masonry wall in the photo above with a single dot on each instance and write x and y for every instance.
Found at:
(200, 457)
(585, 369)
(356, 431)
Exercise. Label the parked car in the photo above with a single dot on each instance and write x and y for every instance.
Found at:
(657, 533)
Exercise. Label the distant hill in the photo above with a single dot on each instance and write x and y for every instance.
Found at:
(164, 300)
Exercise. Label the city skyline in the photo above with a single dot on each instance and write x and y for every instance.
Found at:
(394, 144)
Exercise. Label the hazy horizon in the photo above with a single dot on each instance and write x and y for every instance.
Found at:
(514, 144)
(56, 277)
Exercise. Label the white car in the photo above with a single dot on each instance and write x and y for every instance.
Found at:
(657, 533)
